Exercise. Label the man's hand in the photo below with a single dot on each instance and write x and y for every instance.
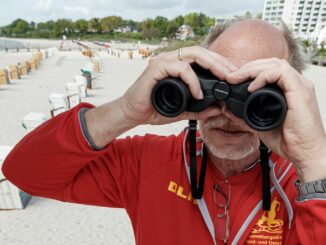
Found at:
(134, 108)
(301, 138)
(136, 103)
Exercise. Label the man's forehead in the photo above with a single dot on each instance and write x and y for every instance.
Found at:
(250, 40)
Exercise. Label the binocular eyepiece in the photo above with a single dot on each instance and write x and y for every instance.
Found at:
(262, 110)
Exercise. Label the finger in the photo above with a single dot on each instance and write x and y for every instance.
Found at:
(218, 58)
(254, 63)
(207, 59)
(250, 72)
(289, 83)
(187, 75)
(190, 54)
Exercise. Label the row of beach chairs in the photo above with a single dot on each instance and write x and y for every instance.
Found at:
(11, 197)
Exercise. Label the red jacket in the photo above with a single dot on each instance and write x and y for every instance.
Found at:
(146, 176)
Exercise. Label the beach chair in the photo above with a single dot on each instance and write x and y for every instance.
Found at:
(22, 68)
(33, 120)
(44, 54)
(32, 64)
(10, 196)
(73, 94)
(13, 72)
(82, 83)
(96, 64)
(90, 67)
(52, 51)
(4, 76)
(59, 103)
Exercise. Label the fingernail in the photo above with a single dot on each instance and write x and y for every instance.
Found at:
(201, 95)
(250, 87)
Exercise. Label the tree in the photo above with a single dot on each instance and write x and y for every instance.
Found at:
(108, 24)
(259, 16)
(147, 24)
(22, 27)
(94, 25)
(199, 22)
(32, 25)
(248, 15)
(17, 27)
(161, 23)
(132, 24)
(171, 28)
(179, 20)
(151, 33)
(63, 26)
(81, 26)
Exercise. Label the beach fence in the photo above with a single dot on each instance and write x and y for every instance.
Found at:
(10, 196)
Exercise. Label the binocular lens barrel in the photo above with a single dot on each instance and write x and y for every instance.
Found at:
(170, 97)
(265, 109)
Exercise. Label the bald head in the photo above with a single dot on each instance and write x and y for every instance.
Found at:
(250, 40)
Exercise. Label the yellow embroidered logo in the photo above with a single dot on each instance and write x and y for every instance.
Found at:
(268, 221)
(269, 227)
(179, 191)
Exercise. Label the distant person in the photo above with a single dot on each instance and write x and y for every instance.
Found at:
(76, 156)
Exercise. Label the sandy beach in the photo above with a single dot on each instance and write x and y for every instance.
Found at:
(50, 222)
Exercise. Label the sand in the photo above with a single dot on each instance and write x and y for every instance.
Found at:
(50, 222)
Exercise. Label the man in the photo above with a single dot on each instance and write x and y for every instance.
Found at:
(75, 157)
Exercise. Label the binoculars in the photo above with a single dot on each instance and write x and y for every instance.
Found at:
(262, 110)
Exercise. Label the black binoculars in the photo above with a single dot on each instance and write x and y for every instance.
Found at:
(262, 110)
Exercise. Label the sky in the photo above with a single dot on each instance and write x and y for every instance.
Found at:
(43, 10)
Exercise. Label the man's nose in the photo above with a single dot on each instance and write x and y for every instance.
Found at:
(222, 105)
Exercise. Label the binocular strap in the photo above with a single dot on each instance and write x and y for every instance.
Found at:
(265, 169)
(196, 190)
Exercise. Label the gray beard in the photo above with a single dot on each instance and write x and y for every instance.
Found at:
(233, 152)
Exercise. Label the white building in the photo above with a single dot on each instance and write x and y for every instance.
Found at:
(184, 32)
(305, 17)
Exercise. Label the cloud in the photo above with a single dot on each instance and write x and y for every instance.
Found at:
(44, 10)
(76, 10)
(43, 6)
